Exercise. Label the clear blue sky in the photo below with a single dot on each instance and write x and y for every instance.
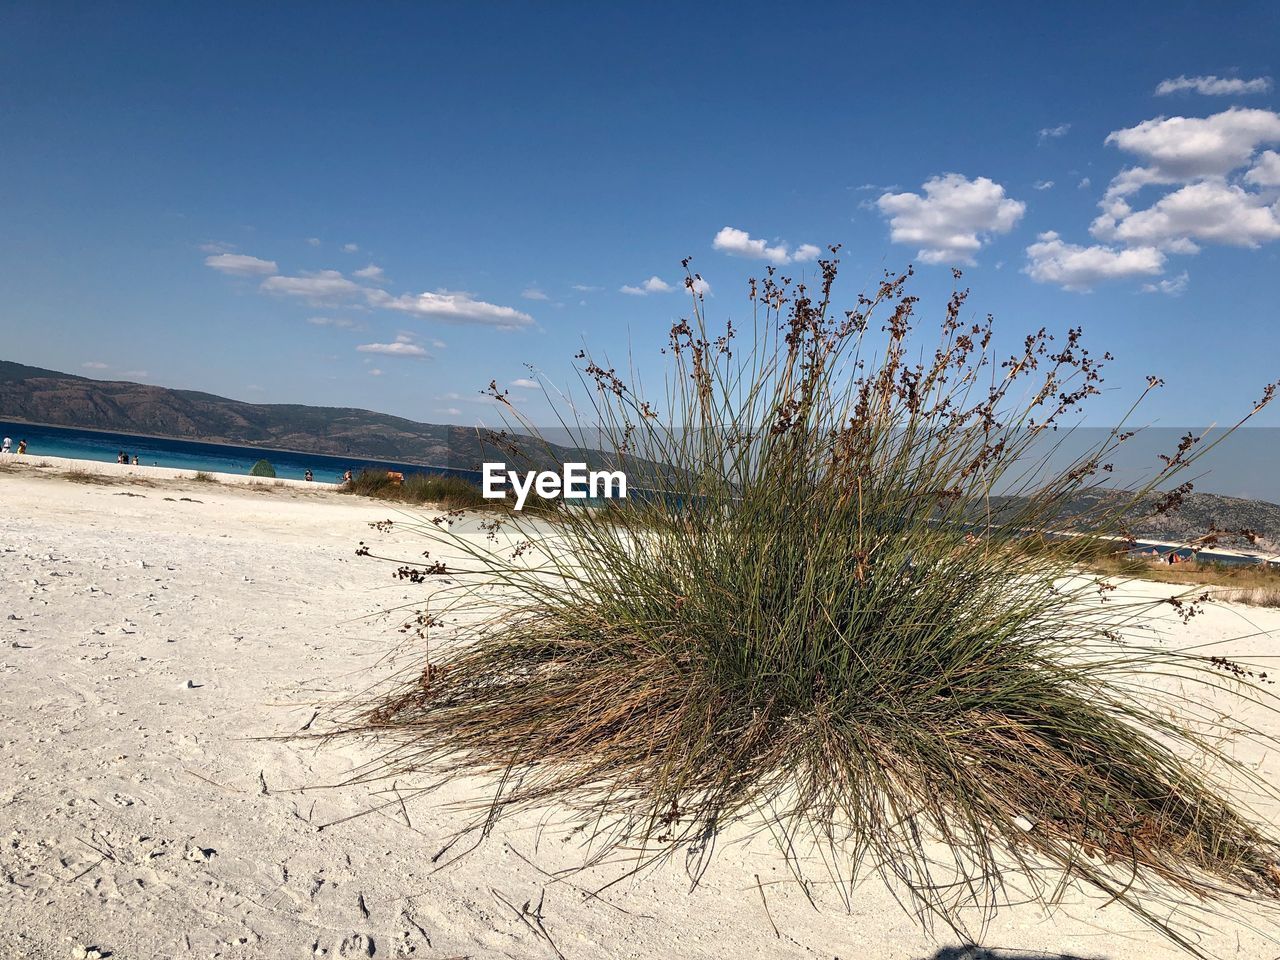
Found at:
(238, 197)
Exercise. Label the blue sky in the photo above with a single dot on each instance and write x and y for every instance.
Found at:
(388, 205)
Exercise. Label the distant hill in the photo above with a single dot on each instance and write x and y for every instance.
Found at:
(35, 395)
(1198, 514)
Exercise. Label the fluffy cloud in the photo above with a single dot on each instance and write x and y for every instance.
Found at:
(739, 243)
(240, 264)
(453, 306)
(526, 384)
(652, 285)
(1266, 172)
(701, 287)
(1206, 212)
(1182, 149)
(533, 293)
(400, 348)
(323, 287)
(1052, 133)
(1050, 260)
(350, 248)
(953, 219)
(1213, 86)
(1173, 286)
(371, 272)
(1042, 185)
(375, 372)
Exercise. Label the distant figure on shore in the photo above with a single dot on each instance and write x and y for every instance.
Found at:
(135, 459)
(7, 444)
(22, 446)
(307, 476)
(346, 477)
(122, 457)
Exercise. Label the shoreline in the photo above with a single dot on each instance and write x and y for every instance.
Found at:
(37, 462)
(226, 443)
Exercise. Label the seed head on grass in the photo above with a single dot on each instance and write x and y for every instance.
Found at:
(843, 604)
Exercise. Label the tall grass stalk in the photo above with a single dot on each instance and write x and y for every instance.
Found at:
(843, 613)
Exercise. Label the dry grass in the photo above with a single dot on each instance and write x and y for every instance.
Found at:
(802, 628)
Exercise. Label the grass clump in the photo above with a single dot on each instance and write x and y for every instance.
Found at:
(841, 610)
(417, 488)
(204, 476)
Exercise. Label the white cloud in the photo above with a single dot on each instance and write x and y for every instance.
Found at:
(584, 288)
(1042, 185)
(450, 412)
(1172, 286)
(400, 348)
(375, 372)
(94, 365)
(350, 248)
(1184, 149)
(453, 306)
(240, 264)
(652, 285)
(322, 287)
(313, 241)
(341, 322)
(953, 220)
(1084, 183)
(526, 384)
(216, 246)
(1050, 260)
(533, 293)
(739, 243)
(371, 272)
(1266, 172)
(1213, 86)
(1052, 133)
(1207, 212)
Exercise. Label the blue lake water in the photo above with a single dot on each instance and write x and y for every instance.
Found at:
(193, 455)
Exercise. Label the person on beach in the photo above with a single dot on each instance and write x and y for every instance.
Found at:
(22, 446)
(120, 457)
(307, 476)
(135, 459)
(7, 444)
(346, 477)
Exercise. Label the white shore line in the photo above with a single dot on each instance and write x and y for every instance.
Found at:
(36, 462)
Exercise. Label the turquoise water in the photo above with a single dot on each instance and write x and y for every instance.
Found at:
(193, 455)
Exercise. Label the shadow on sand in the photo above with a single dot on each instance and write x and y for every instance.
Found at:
(977, 953)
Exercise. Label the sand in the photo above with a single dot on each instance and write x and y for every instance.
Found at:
(155, 637)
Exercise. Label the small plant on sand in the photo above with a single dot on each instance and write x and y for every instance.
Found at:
(417, 488)
(841, 604)
(204, 476)
(263, 469)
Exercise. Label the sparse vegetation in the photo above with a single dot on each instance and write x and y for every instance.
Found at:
(81, 475)
(818, 625)
(417, 488)
(204, 476)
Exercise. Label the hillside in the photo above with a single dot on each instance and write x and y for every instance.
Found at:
(35, 395)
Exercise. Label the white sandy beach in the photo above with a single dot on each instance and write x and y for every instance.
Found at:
(154, 629)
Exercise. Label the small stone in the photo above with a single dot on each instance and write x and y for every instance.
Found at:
(200, 854)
